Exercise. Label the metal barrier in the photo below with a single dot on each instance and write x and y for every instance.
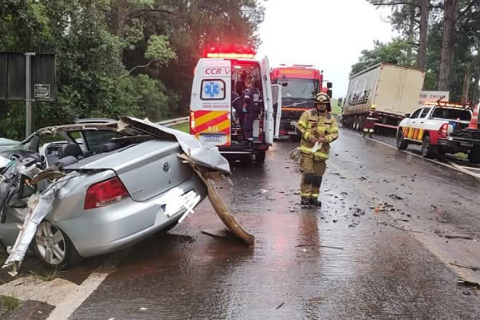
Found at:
(173, 122)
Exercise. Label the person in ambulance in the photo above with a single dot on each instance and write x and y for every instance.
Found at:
(251, 108)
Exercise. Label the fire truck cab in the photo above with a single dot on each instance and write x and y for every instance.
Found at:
(301, 83)
(214, 121)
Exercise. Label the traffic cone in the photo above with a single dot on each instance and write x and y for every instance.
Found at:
(474, 121)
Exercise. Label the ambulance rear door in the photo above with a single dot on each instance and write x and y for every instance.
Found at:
(277, 107)
(269, 124)
(210, 106)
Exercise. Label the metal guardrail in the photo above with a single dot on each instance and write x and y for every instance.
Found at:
(173, 122)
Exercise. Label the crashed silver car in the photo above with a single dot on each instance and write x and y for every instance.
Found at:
(103, 187)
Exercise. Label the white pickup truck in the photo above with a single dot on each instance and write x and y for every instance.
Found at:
(440, 129)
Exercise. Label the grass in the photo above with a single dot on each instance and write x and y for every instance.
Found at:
(8, 304)
(185, 127)
(49, 275)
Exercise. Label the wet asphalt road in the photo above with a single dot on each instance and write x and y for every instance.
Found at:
(376, 250)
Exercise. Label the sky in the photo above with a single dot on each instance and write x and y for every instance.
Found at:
(330, 34)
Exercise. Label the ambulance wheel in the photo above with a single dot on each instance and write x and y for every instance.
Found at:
(427, 148)
(260, 157)
(402, 144)
(474, 156)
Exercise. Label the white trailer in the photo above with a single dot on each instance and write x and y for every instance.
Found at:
(394, 90)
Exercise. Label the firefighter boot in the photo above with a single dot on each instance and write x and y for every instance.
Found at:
(304, 203)
(315, 202)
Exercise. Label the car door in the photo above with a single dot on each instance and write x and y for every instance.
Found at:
(267, 87)
(411, 124)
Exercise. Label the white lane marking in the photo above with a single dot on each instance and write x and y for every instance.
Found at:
(451, 166)
(64, 295)
(75, 298)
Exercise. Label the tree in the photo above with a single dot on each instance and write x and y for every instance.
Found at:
(396, 52)
(446, 57)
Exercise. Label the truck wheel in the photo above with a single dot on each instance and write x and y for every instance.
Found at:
(427, 149)
(260, 157)
(402, 144)
(474, 156)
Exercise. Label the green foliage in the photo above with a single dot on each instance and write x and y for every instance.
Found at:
(159, 49)
(119, 57)
(396, 52)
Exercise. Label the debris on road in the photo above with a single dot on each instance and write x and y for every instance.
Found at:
(465, 267)
(395, 197)
(281, 305)
(448, 236)
(468, 283)
(216, 233)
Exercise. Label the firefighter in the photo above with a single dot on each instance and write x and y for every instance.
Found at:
(372, 117)
(251, 107)
(318, 128)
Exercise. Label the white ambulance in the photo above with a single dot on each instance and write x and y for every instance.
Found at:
(214, 121)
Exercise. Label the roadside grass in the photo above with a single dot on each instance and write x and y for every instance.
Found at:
(185, 127)
(8, 304)
(48, 275)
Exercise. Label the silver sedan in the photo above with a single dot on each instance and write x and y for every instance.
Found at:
(125, 184)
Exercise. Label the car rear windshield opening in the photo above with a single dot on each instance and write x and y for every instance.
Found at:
(451, 114)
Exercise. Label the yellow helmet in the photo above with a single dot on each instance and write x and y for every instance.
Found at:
(322, 98)
(373, 107)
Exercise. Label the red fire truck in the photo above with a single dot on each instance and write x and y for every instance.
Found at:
(300, 85)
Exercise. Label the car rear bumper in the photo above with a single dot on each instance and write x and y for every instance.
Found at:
(457, 145)
(108, 229)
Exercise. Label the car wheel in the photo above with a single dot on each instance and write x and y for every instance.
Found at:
(474, 156)
(402, 144)
(427, 149)
(53, 247)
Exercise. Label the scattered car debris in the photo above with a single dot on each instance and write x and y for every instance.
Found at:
(448, 236)
(216, 233)
(281, 305)
(468, 283)
(465, 267)
(395, 197)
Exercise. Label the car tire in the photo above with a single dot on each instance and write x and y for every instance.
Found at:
(474, 156)
(53, 248)
(260, 157)
(402, 144)
(427, 148)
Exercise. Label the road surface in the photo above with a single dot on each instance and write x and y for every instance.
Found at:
(394, 236)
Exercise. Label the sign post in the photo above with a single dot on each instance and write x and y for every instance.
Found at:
(28, 92)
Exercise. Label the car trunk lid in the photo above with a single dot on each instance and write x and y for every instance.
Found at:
(146, 169)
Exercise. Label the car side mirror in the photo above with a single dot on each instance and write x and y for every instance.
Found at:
(329, 85)
(407, 115)
(329, 93)
(284, 84)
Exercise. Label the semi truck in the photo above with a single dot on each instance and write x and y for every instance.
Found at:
(300, 84)
(394, 90)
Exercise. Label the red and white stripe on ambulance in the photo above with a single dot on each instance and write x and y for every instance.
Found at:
(210, 110)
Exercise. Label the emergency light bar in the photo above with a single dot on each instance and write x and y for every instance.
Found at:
(231, 55)
(446, 104)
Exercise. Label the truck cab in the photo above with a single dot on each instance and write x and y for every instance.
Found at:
(300, 85)
(214, 121)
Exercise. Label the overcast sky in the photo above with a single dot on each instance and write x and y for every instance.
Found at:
(330, 34)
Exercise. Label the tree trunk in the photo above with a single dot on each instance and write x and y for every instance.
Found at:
(466, 84)
(450, 14)
(422, 50)
(476, 83)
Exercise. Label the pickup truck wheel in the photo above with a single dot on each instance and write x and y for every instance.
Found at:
(402, 144)
(474, 156)
(427, 149)
(53, 248)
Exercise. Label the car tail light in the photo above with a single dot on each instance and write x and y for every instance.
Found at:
(260, 135)
(105, 193)
(443, 132)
